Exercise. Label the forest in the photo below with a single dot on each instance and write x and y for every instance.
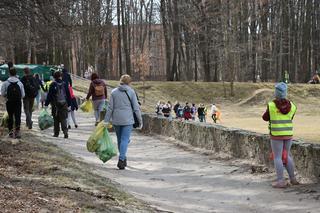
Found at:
(173, 40)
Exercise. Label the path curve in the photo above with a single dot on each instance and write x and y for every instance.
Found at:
(176, 180)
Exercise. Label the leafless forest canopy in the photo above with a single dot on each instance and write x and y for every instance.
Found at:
(201, 40)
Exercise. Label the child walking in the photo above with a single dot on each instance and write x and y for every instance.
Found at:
(74, 107)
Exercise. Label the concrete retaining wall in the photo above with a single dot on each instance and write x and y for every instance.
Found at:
(235, 142)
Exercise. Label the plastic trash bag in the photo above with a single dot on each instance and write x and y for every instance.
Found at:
(106, 148)
(100, 142)
(45, 120)
(92, 142)
(104, 111)
(4, 120)
(86, 106)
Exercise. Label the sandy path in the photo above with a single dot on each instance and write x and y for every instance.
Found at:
(176, 180)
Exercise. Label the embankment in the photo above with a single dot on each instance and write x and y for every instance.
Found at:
(235, 143)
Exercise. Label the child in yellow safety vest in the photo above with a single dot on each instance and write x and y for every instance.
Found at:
(279, 114)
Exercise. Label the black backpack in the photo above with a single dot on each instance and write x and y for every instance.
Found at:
(61, 97)
(14, 92)
(30, 86)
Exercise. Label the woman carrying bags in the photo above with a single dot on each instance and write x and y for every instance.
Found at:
(124, 112)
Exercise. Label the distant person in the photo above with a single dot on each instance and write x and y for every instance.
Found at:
(13, 90)
(214, 111)
(10, 65)
(187, 112)
(72, 109)
(98, 91)
(40, 88)
(315, 79)
(86, 74)
(166, 110)
(180, 111)
(159, 108)
(66, 76)
(193, 111)
(280, 113)
(60, 100)
(175, 109)
(123, 103)
(170, 107)
(201, 113)
(45, 90)
(31, 88)
(286, 77)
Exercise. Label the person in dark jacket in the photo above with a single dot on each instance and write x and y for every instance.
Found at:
(175, 109)
(98, 91)
(31, 88)
(66, 76)
(201, 113)
(60, 100)
(279, 114)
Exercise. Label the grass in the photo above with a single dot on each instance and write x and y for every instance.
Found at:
(36, 175)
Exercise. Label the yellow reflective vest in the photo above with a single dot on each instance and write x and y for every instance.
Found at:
(281, 124)
(47, 86)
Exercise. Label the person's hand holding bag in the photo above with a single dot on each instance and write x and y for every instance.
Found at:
(140, 126)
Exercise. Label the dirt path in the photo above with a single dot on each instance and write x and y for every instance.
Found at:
(177, 180)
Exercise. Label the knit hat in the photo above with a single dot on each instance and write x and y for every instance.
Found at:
(281, 90)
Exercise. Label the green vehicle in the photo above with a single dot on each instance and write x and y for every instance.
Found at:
(44, 71)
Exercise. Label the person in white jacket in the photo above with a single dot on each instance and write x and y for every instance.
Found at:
(13, 90)
(214, 110)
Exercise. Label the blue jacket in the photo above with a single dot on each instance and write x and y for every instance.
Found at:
(53, 91)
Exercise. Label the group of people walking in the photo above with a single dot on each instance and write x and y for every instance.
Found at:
(124, 112)
(28, 89)
(123, 109)
(186, 112)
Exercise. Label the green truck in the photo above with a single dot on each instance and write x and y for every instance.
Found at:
(44, 71)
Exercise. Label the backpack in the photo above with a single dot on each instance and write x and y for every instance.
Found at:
(31, 87)
(14, 92)
(98, 89)
(61, 97)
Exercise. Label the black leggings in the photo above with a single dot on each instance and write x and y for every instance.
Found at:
(214, 118)
(14, 112)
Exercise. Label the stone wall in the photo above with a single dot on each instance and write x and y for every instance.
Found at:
(236, 143)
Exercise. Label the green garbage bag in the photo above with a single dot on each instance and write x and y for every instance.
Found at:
(92, 142)
(45, 120)
(4, 120)
(104, 111)
(106, 148)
